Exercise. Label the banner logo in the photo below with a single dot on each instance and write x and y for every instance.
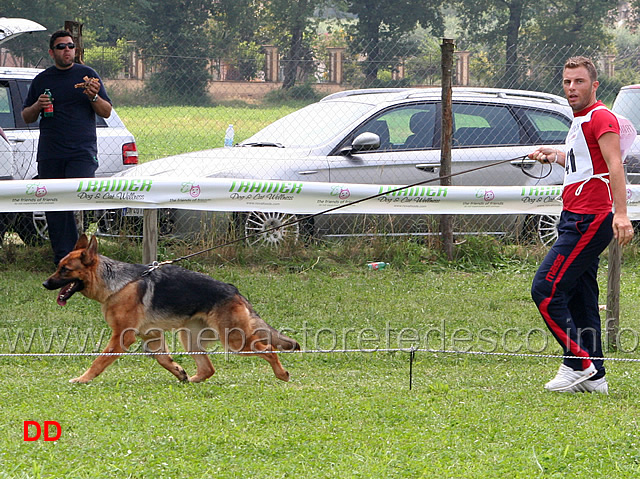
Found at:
(37, 190)
(486, 195)
(191, 188)
(340, 192)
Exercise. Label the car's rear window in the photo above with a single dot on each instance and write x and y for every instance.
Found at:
(627, 104)
(549, 128)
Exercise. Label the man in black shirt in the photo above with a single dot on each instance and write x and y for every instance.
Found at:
(68, 146)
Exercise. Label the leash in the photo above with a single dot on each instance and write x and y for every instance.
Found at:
(155, 265)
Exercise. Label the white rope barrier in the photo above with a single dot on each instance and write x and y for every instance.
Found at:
(321, 351)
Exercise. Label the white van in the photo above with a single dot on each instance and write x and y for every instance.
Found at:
(117, 149)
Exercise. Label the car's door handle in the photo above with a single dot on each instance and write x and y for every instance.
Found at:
(308, 172)
(428, 167)
(17, 140)
(522, 163)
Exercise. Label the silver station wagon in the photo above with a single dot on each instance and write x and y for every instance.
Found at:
(379, 136)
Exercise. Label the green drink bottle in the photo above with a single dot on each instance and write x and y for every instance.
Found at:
(48, 111)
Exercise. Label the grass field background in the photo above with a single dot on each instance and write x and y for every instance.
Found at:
(342, 414)
(165, 131)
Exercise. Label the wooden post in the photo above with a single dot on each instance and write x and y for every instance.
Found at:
(336, 60)
(462, 72)
(272, 63)
(446, 221)
(149, 236)
(612, 321)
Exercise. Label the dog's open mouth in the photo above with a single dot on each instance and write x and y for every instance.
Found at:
(67, 291)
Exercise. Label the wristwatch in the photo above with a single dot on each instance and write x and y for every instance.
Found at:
(95, 98)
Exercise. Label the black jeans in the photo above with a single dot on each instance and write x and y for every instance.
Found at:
(63, 232)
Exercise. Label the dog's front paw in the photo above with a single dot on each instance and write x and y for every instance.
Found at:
(79, 380)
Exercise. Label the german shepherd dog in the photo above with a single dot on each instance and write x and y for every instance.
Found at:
(140, 303)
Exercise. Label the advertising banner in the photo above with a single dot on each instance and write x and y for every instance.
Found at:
(231, 194)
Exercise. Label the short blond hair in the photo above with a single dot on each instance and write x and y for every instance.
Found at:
(576, 62)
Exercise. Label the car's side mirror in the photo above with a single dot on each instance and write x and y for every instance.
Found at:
(363, 142)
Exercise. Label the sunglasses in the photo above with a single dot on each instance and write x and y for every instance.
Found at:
(62, 46)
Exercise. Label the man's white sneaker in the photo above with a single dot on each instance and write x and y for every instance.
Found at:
(568, 378)
(595, 386)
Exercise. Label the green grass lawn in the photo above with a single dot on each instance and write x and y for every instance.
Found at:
(342, 414)
(165, 131)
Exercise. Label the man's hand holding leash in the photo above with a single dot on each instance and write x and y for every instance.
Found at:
(622, 228)
(548, 155)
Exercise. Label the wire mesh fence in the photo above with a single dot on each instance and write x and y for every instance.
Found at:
(178, 109)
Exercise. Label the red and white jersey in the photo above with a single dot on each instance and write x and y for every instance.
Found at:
(586, 180)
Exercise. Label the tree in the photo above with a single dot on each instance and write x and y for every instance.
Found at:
(498, 22)
(579, 24)
(291, 21)
(171, 34)
(570, 24)
(383, 23)
(234, 32)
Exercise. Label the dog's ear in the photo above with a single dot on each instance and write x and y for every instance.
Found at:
(91, 251)
(82, 242)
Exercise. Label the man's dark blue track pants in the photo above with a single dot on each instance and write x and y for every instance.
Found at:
(565, 287)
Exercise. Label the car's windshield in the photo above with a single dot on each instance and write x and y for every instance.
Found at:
(312, 125)
(627, 104)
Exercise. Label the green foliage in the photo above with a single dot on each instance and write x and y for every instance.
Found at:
(627, 55)
(304, 92)
(250, 60)
(380, 30)
(107, 61)
(609, 88)
(180, 81)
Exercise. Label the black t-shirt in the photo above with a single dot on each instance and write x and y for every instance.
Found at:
(71, 132)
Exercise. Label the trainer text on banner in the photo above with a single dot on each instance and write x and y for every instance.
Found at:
(229, 194)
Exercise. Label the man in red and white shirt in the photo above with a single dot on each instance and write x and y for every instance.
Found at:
(565, 287)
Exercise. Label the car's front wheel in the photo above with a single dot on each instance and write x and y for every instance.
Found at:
(32, 227)
(547, 228)
(273, 228)
(269, 228)
(33, 230)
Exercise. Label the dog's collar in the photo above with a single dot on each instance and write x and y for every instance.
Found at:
(154, 266)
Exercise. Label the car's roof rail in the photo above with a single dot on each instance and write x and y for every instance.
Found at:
(506, 93)
(407, 93)
(365, 91)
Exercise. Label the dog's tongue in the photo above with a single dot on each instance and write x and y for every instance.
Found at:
(63, 295)
(61, 301)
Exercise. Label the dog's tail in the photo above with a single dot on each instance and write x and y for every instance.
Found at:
(284, 343)
(267, 334)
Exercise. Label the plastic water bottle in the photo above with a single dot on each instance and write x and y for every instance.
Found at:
(48, 111)
(228, 137)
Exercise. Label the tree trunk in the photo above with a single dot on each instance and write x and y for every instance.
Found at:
(512, 75)
(371, 68)
(292, 60)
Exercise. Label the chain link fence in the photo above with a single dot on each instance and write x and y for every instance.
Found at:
(178, 105)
